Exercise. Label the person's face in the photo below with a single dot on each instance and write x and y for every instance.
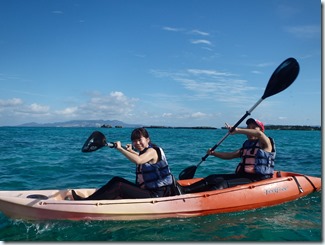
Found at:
(252, 126)
(141, 143)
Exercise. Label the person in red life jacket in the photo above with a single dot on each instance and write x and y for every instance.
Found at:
(153, 176)
(257, 160)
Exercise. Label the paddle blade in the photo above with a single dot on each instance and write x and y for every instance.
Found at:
(188, 173)
(95, 141)
(282, 77)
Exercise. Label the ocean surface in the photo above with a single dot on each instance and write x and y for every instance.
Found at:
(51, 158)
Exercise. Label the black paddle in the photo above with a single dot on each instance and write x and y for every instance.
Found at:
(96, 141)
(281, 79)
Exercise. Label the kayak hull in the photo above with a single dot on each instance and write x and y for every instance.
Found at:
(58, 204)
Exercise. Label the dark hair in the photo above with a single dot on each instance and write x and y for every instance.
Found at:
(138, 133)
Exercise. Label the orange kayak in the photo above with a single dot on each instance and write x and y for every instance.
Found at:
(57, 204)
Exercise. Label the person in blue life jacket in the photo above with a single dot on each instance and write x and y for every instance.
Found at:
(257, 160)
(153, 176)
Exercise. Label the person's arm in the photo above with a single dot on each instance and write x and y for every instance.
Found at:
(225, 155)
(264, 140)
(130, 149)
(150, 156)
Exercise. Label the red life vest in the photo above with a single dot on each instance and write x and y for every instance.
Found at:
(254, 160)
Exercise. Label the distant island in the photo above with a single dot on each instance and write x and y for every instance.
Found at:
(170, 127)
(84, 124)
(292, 127)
(102, 124)
(289, 127)
(110, 126)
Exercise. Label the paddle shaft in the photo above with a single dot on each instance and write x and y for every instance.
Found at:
(113, 145)
(232, 129)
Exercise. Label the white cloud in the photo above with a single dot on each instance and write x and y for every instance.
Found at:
(167, 28)
(14, 110)
(11, 102)
(211, 85)
(167, 115)
(200, 33)
(198, 115)
(114, 104)
(306, 31)
(266, 64)
(201, 41)
(70, 111)
(38, 109)
(256, 72)
(208, 72)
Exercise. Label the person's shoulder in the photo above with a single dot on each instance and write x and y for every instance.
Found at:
(154, 149)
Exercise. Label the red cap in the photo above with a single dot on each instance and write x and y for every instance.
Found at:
(257, 122)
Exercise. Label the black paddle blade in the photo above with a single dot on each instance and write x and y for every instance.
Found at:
(282, 77)
(95, 141)
(188, 173)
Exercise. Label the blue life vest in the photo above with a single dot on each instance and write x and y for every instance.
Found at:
(255, 160)
(154, 175)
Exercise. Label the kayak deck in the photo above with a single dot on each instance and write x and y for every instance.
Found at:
(59, 204)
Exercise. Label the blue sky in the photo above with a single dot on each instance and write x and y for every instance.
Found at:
(162, 62)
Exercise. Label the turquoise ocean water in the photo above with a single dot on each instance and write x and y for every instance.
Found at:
(51, 158)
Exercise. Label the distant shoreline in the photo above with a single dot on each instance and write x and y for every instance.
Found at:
(267, 127)
(120, 124)
(289, 127)
(170, 127)
(271, 127)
